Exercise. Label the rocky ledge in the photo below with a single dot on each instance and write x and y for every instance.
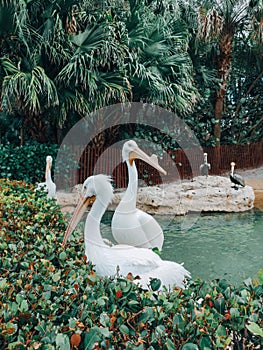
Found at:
(211, 194)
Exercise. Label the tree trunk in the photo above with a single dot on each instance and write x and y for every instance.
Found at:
(36, 128)
(223, 70)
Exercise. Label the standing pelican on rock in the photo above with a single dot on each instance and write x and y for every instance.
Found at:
(205, 167)
(130, 225)
(48, 186)
(126, 259)
(236, 178)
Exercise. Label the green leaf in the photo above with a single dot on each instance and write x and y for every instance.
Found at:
(124, 329)
(3, 283)
(205, 343)
(104, 319)
(255, 329)
(221, 331)
(155, 284)
(62, 256)
(62, 342)
(24, 306)
(72, 323)
(160, 330)
(220, 305)
(91, 337)
(56, 276)
(234, 312)
(242, 100)
(190, 346)
(170, 345)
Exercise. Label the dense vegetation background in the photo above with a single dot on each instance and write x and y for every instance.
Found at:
(60, 60)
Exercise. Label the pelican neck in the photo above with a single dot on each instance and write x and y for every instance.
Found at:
(131, 191)
(92, 226)
(48, 174)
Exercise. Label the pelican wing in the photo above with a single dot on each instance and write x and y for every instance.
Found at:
(51, 188)
(151, 228)
(146, 264)
(135, 260)
(137, 229)
(127, 258)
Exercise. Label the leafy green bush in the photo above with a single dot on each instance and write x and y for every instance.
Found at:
(50, 298)
(28, 162)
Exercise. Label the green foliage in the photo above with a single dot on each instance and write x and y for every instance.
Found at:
(50, 298)
(28, 162)
(25, 162)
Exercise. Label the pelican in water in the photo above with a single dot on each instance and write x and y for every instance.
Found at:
(236, 178)
(49, 186)
(130, 225)
(124, 258)
(205, 167)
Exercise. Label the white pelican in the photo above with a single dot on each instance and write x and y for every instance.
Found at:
(141, 262)
(49, 186)
(235, 178)
(205, 167)
(130, 225)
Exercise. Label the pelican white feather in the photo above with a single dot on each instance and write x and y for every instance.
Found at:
(128, 259)
(131, 225)
(48, 186)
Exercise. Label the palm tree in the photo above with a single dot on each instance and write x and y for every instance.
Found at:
(27, 91)
(221, 23)
(160, 68)
(37, 49)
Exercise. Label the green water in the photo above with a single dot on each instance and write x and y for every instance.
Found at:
(219, 245)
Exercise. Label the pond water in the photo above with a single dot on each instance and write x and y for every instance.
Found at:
(214, 245)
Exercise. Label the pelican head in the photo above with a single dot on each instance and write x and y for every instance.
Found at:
(96, 187)
(49, 162)
(131, 151)
(49, 159)
(236, 178)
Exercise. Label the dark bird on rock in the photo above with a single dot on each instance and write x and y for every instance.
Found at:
(236, 178)
(205, 167)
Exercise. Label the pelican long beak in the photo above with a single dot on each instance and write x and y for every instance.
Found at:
(48, 168)
(83, 204)
(137, 153)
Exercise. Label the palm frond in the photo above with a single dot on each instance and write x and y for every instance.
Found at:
(90, 39)
(72, 102)
(26, 90)
(79, 73)
(113, 88)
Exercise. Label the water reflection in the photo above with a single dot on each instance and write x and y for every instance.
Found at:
(219, 245)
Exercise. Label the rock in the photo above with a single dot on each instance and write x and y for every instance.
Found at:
(68, 201)
(214, 193)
